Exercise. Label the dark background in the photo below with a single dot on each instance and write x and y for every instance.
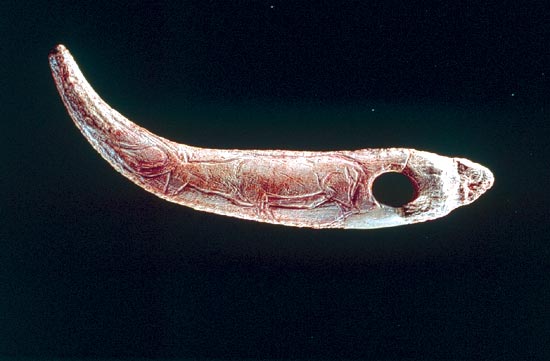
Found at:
(91, 265)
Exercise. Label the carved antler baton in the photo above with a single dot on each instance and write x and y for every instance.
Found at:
(303, 189)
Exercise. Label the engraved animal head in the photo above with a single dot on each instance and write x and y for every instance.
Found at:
(443, 184)
(475, 179)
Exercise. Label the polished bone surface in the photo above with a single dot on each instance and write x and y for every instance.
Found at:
(294, 188)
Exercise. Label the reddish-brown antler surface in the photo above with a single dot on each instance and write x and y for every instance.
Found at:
(304, 189)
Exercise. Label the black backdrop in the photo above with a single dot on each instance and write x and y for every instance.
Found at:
(90, 265)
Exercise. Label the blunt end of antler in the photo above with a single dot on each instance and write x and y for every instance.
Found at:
(475, 180)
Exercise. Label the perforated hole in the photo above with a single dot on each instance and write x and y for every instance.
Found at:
(393, 189)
